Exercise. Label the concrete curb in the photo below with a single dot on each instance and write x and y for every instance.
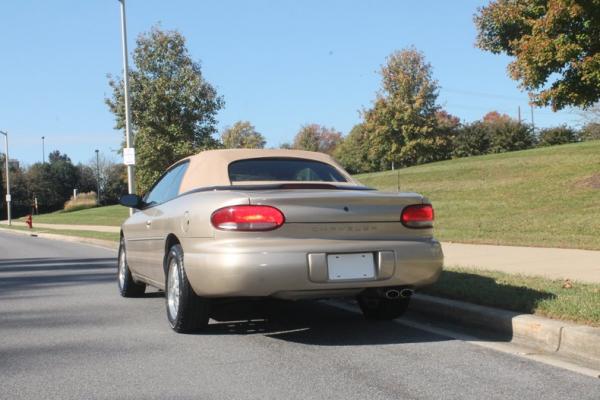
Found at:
(107, 244)
(580, 343)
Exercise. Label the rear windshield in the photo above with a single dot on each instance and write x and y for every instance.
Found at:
(283, 169)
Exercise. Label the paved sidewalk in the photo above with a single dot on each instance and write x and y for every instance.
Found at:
(96, 228)
(578, 265)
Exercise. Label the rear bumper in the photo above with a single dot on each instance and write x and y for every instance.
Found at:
(297, 268)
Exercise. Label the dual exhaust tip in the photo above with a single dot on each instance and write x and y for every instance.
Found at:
(393, 294)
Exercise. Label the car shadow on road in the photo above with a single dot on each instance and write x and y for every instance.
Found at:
(20, 275)
(56, 264)
(319, 323)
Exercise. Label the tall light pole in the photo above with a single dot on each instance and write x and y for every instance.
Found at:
(8, 198)
(97, 178)
(43, 151)
(129, 151)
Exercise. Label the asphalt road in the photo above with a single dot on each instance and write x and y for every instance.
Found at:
(66, 334)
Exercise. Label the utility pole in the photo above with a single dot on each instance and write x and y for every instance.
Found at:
(128, 152)
(8, 197)
(43, 151)
(532, 122)
(519, 112)
(97, 178)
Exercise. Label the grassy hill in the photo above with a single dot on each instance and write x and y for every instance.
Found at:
(541, 197)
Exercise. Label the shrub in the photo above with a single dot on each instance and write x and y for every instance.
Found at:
(510, 135)
(83, 201)
(590, 131)
(471, 140)
(557, 135)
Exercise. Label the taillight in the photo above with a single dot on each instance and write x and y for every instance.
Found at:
(247, 218)
(418, 216)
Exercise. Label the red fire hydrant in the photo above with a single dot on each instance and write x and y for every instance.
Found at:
(29, 221)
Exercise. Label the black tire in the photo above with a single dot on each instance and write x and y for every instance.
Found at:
(127, 286)
(382, 309)
(190, 313)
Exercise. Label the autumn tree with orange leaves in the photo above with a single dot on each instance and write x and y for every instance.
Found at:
(555, 45)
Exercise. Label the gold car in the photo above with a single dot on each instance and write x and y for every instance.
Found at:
(274, 223)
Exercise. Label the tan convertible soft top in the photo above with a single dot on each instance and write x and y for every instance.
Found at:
(210, 168)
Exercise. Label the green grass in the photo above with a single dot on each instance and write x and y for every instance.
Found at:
(546, 197)
(108, 215)
(540, 296)
(113, 236)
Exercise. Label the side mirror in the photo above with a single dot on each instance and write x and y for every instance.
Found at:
(131, 201)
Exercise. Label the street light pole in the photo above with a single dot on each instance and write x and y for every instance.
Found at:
(43, 151)
(97, 179)
(8, 198)
(128, 136)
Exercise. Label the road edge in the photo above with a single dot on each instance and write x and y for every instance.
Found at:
(577, 343)
(106, 244)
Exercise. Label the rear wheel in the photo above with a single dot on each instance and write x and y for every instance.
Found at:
(127, 286)
(186, 311)
(382, 309)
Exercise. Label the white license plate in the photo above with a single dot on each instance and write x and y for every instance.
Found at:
(350, 266)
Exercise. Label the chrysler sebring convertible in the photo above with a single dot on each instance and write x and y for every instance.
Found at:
(287, 224)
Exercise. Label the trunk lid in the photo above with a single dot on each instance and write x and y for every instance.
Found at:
(336, 206)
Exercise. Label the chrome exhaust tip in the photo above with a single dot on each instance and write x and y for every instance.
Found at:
(392, 294)
(404, 293)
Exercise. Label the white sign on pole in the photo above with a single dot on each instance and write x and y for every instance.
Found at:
(8, 198)
(129, 156)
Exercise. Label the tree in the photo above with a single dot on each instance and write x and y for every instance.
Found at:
(21, 200)
(555, 45)
(53, 182)
(495, 116)
(56, 156)
(64, 176)
(115, 183)
(41, 183)
(446, 121)
(402, 123)
(242, 135)
(314, 137)
(109, 175)
(557, 135)
(87, 178)
(446, 127)
(173, 108)
(353, 151)
(20, 203)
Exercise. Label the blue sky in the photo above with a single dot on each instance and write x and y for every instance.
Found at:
(278, 64)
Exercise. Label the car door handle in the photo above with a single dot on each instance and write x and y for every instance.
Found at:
(148, 224)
